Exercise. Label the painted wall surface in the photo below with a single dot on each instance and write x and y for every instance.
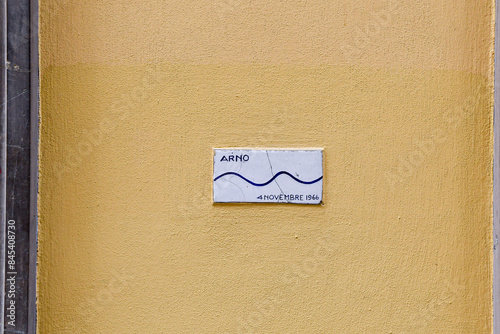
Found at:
(135, 94)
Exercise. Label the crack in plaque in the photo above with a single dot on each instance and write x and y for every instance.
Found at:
(241, 190)
(272, 174)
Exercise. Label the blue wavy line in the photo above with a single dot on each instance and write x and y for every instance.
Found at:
(271, 180)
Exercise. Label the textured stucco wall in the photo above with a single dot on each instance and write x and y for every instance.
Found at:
(134, 96)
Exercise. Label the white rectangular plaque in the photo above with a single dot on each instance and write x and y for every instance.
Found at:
(268, 176)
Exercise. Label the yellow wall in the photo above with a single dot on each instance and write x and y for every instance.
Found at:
(135, 94)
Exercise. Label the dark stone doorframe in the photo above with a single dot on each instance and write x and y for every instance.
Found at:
(19, 121)
(3, 151)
